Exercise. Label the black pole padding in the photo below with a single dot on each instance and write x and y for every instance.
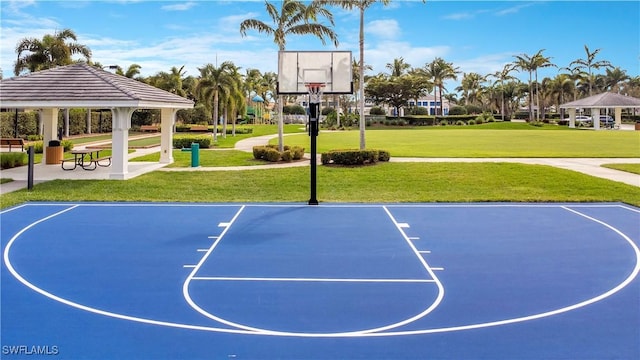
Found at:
(313, 132)
(30, 154)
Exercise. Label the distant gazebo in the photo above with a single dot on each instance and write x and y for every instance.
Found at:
(607, 100)
(84, 86)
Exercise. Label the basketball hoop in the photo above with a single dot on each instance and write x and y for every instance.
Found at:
(315, 90)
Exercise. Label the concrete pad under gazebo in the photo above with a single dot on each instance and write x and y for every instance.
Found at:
(607, 100)
(84, 86)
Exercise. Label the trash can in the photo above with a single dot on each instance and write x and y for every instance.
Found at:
(195, 154)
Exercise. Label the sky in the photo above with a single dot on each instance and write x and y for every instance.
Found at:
(476, 36)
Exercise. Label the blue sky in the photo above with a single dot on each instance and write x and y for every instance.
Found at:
(476, 36)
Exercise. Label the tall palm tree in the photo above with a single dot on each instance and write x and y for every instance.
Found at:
(540, 61)
(527, 63)
(439, 71)
(293, 18)
(53, 50)
(589, 63)
(213, 81)
(361, 6)
(502, 75)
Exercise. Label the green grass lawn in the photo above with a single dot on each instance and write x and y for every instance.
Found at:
(514, 140)
(385, 182)
(208, 158)
(632, 168)
(411, 182)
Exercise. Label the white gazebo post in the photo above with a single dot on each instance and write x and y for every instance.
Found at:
(167, 119)
(595, 117)
(120, 142)
(49, 118)
(618, 117)
(572, 117)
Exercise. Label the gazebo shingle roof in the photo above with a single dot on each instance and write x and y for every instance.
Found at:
(81, 85)
(604, 100)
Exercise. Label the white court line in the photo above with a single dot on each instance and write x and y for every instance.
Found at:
(425, 251)
(224, 224)
(212, 237)
(202, 250)
(414, 238)
(345, 280)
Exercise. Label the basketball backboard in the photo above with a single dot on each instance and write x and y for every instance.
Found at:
(297, 68)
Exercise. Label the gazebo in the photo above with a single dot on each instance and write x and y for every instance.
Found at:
(84, 86)
(607, 100)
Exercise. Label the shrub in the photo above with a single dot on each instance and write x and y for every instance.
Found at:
(67, 145)
(272, 155)
(293, 110)
(259, 152)
(383, 155)
(352, 157)
(287, 155)
(184, 141)
(298, 152)
(471, 122)
(457, 110)
(444, 122)
(479, 119)
(376, 110)
(418, 110)
(460, 123)
(10, 160)
(473, 109)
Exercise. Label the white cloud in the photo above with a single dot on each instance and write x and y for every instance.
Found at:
(460, 16)
(179, 7)
(383, 53)
(386, 29)
(513, 9)
(232, 22)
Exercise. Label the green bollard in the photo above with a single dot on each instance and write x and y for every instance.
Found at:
(195, 154)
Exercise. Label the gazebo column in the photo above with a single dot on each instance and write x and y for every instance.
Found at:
(120, 142)
(49, 121)
(618, 117)
(572, 117)
(595, 117)
(167, 119)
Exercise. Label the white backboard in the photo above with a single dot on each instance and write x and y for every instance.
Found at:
(332, 68)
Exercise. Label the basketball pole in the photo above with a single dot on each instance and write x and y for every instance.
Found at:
(314, 110)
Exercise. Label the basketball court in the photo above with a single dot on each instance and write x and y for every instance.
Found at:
(290, 281)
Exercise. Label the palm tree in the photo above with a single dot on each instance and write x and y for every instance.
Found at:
(132, 70)
(213, 81)
(398, 67)
(293, 18)
(615, 79)
(53, 50)
(527, 63)
(501, 76)
(590, 63)
(361, 5)
(559, 86)
(439, 71)
(470, 87)
(540, 62)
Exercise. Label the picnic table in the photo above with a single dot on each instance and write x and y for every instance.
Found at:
(87, 159)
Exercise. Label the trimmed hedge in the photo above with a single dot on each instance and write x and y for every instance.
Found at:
(10, 160)
(184, 141)
(354, 157)
(271, 153)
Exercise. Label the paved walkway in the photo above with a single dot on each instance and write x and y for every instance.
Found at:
(589, 166)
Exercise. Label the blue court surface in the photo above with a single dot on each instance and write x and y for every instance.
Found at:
(335, 281)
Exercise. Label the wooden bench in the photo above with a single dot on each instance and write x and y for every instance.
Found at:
(152, 128)
(12, 142)
(199, 128)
